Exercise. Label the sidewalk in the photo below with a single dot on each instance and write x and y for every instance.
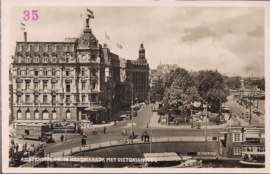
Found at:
(154, 124)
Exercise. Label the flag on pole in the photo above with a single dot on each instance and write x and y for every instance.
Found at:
(107, 36)
(90, 14)
(119, 46)
(22, 26)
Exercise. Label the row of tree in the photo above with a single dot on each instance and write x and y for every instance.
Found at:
(179, 89)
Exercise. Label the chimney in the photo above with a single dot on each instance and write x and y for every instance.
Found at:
(25, 36)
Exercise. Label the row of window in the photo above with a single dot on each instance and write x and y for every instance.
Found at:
(238, 137)
(45, 59)
(45, 115)
(45, 47)
(45, 99)
(54, 85)
(53, 72)
(253, 149)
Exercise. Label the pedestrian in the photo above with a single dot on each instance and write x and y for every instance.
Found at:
(25, 146)
(132, 134)
(12, 142)
(62, 138)
(115, 122)
(82, 141)
(142, 137)
(104, 129)
(17, 147)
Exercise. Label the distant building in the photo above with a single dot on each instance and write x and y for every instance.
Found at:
(162, 69)
(240, 140)
(135, 74)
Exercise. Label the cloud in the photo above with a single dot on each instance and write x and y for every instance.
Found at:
(258, 32)
(197, 33)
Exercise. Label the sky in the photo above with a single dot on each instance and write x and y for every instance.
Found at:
(229, 39)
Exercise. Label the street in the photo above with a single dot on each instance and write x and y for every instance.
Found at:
(238, 109)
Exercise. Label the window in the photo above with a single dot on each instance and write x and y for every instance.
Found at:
(36, 99)
(19, 115)
(83, 72)
(45, 72)
(19, 99)
(68, 99)
(36, 115)
(46, 58)
(244, 149)
(19, 85)
(53, 100)
(44, 85)
(36, 58)
(28, 59)
(54, 115)
(27, 85)
(18, 72)
(27, 115)
(83, 115)
(237, 137)
(37, 48)
(19, 58)
(68, 115)
(67, 58)
(68, 87)
(53, 72)
(36, 85)
(45, 99)
(36, 72)
(45, 47)
(19, 48)
(67, 72)
(27, 72)
(237, 151)
(54, 86)
(27, 98)
(54, 58)
(93, 57)
(83, 85)
(45, 115)
(94, 72)
(83, 98)
(55, 48)
(93, 86)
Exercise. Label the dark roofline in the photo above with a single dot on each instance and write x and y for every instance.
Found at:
(45, 42)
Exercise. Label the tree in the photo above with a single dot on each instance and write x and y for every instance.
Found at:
(233, 82)
(212, 88)
(157, 91)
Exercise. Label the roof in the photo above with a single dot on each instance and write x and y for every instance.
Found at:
(171, 156)
(252, 135)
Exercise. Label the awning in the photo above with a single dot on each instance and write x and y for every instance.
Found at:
(252, 135)
(95, 108)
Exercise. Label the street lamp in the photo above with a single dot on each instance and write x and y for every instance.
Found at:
(192, 116)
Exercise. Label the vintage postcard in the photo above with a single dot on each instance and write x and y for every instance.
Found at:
(134, 86)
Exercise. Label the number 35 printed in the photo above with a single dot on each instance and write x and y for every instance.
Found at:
(34, 15)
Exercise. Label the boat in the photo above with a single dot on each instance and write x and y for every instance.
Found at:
(253, 158)
(167, 160)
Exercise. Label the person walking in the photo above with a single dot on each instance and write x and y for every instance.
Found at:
(82, 141)
(12, 142)
(62, 138)
(25, 146)
(104, 129)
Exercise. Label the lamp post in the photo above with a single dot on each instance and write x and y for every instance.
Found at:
(191, 116)
(206, 124)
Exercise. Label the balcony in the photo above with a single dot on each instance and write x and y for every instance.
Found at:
(44, 103)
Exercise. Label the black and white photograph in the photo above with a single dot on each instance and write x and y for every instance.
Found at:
(134, 86)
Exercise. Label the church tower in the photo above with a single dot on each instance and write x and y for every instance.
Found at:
(142, 53)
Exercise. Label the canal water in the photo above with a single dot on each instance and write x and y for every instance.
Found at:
(226, 164)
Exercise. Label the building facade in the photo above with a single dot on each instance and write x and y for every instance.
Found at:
(60, 81)
(239, 140)
(135, 75)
